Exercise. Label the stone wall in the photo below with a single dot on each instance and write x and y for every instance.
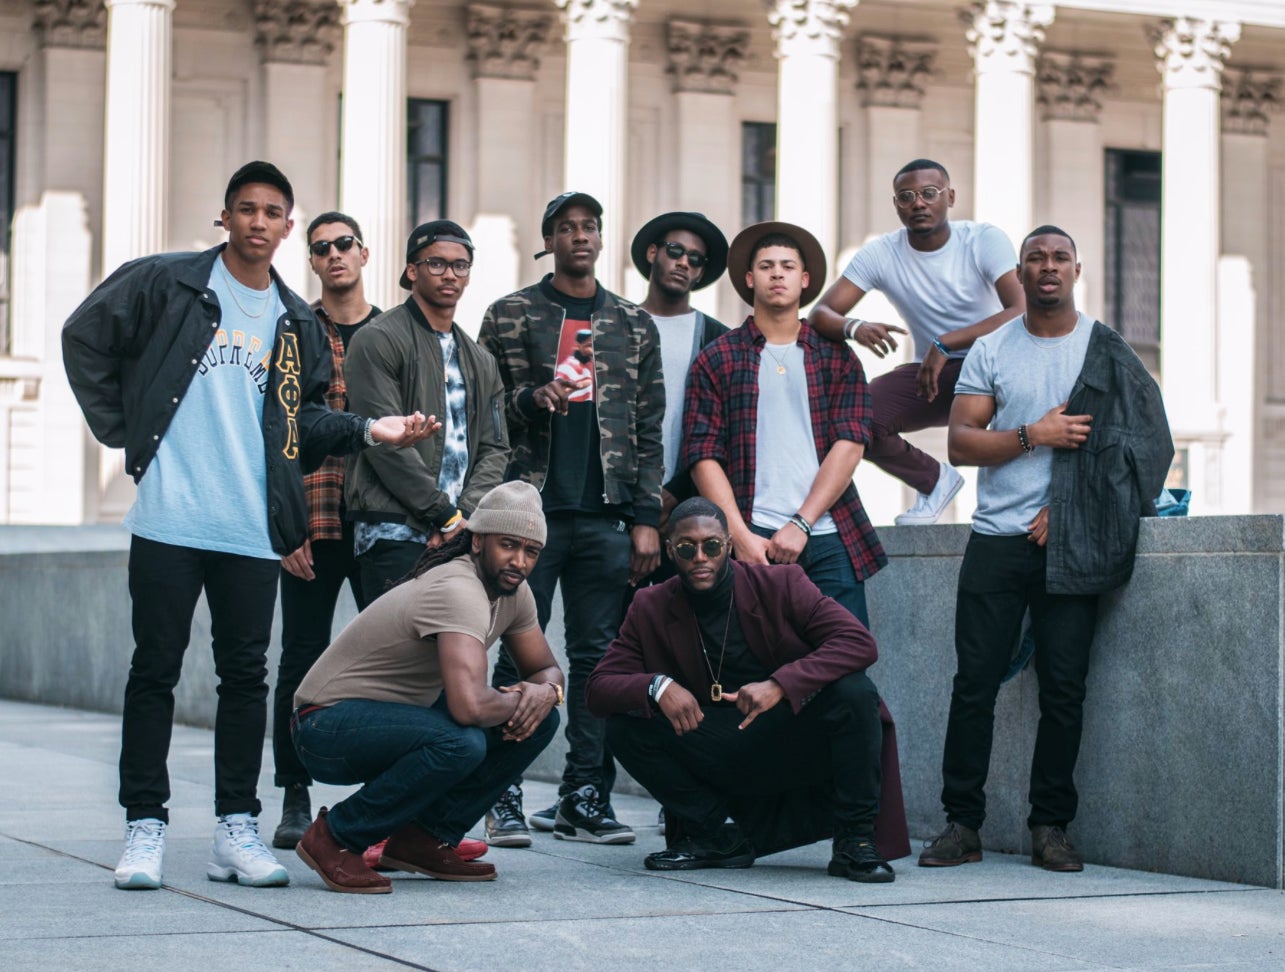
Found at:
(1181, 768)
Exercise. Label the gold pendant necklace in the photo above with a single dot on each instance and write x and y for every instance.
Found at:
(780, 362)
(715, 680)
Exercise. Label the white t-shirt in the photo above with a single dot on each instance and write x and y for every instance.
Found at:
(785, 461)
(939, 291)
(677, 339)
(1027, 376)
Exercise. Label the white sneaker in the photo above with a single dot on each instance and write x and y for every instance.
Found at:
(140, 866)
(929, 506)
(240, 855)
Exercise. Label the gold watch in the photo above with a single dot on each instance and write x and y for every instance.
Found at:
(558, 691)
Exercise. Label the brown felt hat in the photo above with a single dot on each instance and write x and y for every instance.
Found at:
(738, 258)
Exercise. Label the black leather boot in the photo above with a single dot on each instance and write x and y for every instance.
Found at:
(296, 817)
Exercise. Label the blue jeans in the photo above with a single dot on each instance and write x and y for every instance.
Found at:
(416, 763)
(826, 562)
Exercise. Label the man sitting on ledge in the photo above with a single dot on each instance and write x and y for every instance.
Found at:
(715, 651)
(400, 702)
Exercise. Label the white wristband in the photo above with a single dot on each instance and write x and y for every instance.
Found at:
(850, 327)
(663, 685)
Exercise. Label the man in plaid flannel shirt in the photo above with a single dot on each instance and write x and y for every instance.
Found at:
(756, 395)
(313, 575)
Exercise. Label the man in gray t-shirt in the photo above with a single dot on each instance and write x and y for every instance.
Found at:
(1008, 417)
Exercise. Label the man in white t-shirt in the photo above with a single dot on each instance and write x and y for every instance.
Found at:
(951, 282)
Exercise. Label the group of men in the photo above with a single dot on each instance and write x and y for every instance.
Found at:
(651, 463)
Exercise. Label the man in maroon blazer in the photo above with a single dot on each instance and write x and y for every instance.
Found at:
(715, 651)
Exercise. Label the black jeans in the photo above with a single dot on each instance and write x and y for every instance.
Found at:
(307, 616)
(165, 582)
(835, 738)
(385, 563)
(590, 556)
(1001, 578)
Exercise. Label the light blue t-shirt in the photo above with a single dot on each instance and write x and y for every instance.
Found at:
(785, 462)
(1027, 376)
(207, 486)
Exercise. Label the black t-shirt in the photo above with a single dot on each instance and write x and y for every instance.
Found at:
(716, 618)
(346, 331)
(574, 483)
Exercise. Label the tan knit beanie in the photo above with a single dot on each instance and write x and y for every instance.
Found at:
(514, 509)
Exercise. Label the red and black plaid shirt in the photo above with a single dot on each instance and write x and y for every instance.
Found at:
(324, 489)
(720, 418)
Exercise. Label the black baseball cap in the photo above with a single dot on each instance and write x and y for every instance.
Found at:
(259, 172)
(437, 231)
(568, 198)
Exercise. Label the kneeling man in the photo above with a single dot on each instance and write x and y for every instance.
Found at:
(401, 703)
(715, 651)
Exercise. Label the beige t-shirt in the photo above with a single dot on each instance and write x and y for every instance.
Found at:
(388, 653)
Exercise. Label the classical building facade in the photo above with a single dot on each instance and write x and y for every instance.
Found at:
(1142, 126)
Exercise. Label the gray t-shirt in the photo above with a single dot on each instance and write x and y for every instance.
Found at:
(1027, 376)
(677, 352)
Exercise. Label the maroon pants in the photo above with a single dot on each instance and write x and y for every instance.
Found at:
(898, 407)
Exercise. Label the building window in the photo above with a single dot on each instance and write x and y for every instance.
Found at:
(8, 135)
(426, 122)
(758, 172)
(1132, 251)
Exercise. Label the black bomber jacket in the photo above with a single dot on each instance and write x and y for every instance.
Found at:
(133, 346)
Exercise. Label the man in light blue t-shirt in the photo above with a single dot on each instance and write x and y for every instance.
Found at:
(211, 373)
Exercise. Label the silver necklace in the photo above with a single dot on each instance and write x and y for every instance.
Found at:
(232, 285)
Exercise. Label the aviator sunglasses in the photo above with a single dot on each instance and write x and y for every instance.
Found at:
(695, 260)
(342, 243)
(711, 547)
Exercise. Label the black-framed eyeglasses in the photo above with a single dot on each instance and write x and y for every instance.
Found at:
(675, 251)
(437, 266)
(343, 244)
(906, 197)
(711, 547)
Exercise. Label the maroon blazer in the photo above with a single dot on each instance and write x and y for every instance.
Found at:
(805, 639)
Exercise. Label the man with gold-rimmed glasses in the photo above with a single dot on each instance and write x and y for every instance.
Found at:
(692, 690)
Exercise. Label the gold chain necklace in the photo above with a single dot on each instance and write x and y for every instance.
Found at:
(715, 686)
(780, 362)
(232, 285)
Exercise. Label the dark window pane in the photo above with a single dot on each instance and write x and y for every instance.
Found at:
(8, 103)
(426, 159)
(1132, 231)
(758, 171)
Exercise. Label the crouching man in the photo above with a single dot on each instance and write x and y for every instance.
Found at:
(715, 651)
(400, 702)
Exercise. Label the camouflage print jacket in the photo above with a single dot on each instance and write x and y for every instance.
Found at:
(522, 331)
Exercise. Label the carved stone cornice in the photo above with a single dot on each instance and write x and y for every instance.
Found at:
(894, 70)
(808, 26)
(1190, 53)
(705, 57)
(597, 18)
(70, 23)
(1249, 97)
(1005, 35)
(505, 42)
(296, 31)
(1070, 85)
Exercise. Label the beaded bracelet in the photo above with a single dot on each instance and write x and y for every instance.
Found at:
(1024, 440)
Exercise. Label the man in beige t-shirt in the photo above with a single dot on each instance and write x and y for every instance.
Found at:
(400, 703)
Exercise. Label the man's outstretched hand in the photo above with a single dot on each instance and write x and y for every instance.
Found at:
(404, 430)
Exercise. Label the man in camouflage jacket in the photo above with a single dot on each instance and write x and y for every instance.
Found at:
(593, 448)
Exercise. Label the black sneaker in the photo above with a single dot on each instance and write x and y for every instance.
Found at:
(725, 848)
(505, 826)
(856, 859)
(544, 819)
(583, 815)
(296, 817)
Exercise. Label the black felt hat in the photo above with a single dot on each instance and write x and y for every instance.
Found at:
(654, 230)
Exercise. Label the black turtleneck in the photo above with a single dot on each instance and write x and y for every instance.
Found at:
(740, 665)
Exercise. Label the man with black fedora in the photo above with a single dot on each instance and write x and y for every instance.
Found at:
(757, 395)
(678, 253)
(406, 500)
(592, 446)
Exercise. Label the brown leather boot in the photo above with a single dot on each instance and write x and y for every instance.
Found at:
(340, 868)
(412, 848)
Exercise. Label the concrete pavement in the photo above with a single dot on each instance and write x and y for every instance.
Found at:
(557, 906)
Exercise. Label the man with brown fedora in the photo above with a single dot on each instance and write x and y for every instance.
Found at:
(756, 395)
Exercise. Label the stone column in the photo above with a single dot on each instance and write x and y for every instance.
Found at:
(597, 37)
(1190, 55)
(1003, 37)
(1073, 183)
(372, 161)
(704, 61)
(136, 150)
(807, 119)
(504, 53)
(295, 40)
